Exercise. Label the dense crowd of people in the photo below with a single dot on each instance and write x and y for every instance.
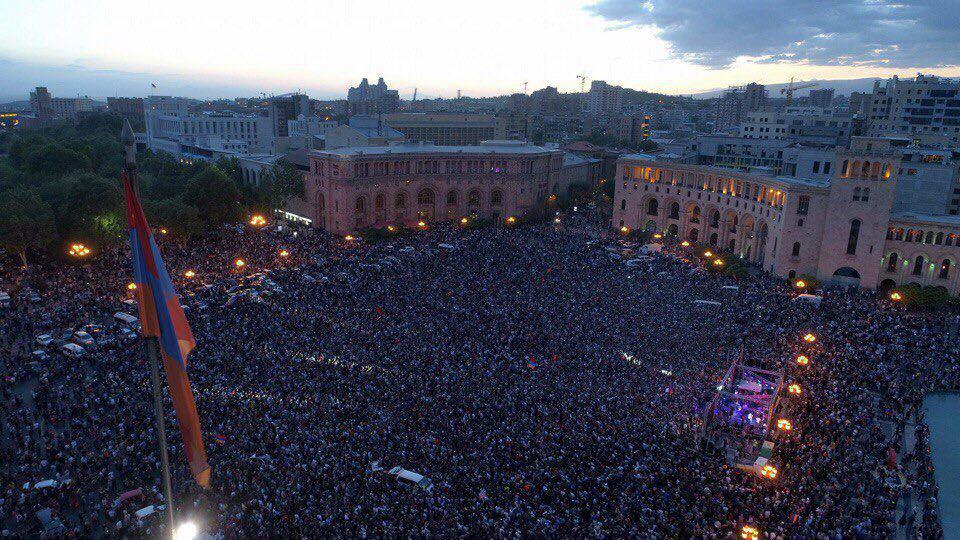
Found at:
(544, 387)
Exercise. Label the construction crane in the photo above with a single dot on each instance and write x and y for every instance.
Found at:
(414, 94)
(583, 82)
(524, 87)
(791, 88)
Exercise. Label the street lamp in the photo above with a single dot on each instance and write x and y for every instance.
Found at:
(239, 263)
(422, 224)
(511, 220)
(749, 532)
(809, 338)
(708, 254)
(163, 231)
(348, 238)
(802, 360)
(79, 250)
(685, 243)
(624, 229)
(463, 221)
(718, 262)
(895, 296)
(800, 284)
(258, 221)
(391, 228)
(186, 531)
(794, 389)
(769, 471)
(189, 274)
(784, 424)
(284, 253)
(658, 236)
(131, 286)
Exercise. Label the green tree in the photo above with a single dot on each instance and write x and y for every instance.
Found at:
(92, 208)
(26, 222)
(179, 218)
(214, 195)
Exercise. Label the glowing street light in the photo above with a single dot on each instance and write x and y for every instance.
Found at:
(239, 263)
(708, 254)
(809, 338)
(463, 221)
(391, 228)
(685, 243)
(189, 274)
(718, 262)
(186, 531)
(794, 389)
(79, 250)
(349, 238)
(802, 360)
(511, 220)
(284, 253)
(258, 221)
(658, 236)
(163, 231)
(800, 284)
(556, 220)
(749, 532)
(895, 296)
(769, 471)
(784, 424)
(131, 286)
(624, 229)
(422, 224)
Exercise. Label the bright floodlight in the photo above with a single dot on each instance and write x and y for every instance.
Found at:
(186, 531)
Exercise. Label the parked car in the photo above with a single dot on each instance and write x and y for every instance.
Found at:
(44, 340)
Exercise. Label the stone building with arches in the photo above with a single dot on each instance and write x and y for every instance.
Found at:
(348, 189)
(841, 230)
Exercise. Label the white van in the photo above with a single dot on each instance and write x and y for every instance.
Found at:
(4, 299)
(82, 338)
(72, 350)
(411, 478)
(126, 319)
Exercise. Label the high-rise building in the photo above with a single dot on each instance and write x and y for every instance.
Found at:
(41, 104)
(366, 99)
(446, 129)
(926, 109)
(127, 107)
(604, 99)
(821, 98)
(729, 109)
(284, 108)
(754, 97)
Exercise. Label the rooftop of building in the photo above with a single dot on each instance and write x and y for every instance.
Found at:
(485, 147)
(926, 219)
(572, 160)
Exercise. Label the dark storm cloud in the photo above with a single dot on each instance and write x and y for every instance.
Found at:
(714, 33)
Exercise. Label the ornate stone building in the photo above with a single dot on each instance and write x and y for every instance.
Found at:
(840, 229)
(348, 189)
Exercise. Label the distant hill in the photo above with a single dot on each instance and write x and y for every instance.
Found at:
(842, 87)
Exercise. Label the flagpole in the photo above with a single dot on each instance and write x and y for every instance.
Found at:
(152, 345)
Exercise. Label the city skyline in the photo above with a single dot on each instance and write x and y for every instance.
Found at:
(225, 49)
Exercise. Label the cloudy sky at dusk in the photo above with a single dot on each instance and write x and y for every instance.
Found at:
(225, 48)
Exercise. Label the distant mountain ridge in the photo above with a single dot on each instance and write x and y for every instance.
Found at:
(842, 87)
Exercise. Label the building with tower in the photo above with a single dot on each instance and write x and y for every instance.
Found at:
(860, 221)
(368, 99)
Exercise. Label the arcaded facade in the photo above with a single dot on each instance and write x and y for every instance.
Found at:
(349, 189)
(840, 230)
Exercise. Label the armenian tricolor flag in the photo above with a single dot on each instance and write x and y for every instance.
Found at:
(162, 317)
(222, 439)
(532, 363)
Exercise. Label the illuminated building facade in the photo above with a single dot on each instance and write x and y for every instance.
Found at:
(348, 189)
(850, 229)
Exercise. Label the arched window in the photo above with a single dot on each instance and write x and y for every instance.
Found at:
(474, 198)
(653, 206)
(451, 197)
(890, 233)
(950, 238)
(360, 205)
(866, 169)
(892, 263)
(899, 235)
(918, 265)
(909, 235)
(945, 269)
(796, 250)
(846, 168)
(854, 236)
(856, 194)
(496, 198)
(623, 204)
(675, 211)
(378, 202)
(875, 172)
(715, 222)
(866, 195)
(400, 200)
(855, 169)
(695, 215)
(713, 239)
(939, 239)
(918, 237)
(929, 239)
(425, 196)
